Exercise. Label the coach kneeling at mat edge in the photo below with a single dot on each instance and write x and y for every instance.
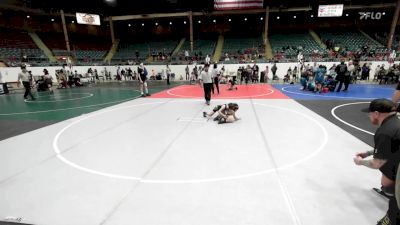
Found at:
(386, 154)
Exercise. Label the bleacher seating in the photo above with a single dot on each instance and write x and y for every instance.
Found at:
(55, 42)
(89, 47)
(160, 49)
(201, 48)
(86, 49)
(17, 46)
(382, 37)
(350, 40)
(288, 46)
(242, 49)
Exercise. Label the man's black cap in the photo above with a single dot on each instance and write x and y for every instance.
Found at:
(381, 105)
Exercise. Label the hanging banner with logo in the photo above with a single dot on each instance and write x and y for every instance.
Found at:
(89, 19)
(330, 10)
(238, 4)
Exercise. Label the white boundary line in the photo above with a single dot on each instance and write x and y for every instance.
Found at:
(289, 202)
(190, 181)
(348, 124)
(64, 109)
(62, 100)
(186, 96)
(321, 95)
(194, 120)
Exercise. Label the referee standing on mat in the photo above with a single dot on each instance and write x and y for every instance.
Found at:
(24, 76)
(207, 83)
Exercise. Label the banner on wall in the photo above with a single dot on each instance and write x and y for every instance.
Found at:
(89, 19)
(330, 10)
(238, 4)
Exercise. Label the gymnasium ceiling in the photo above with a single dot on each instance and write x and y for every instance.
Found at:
(130, 7)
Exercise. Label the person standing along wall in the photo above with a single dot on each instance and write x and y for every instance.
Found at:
(215, 77)
(143, 80)
(187, 72)
(273, 70)
(168, 71)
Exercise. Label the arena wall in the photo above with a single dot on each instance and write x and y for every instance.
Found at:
(10, 74)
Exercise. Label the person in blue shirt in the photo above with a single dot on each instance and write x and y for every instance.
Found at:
(304, 79)
(143, 80)
(319, 78)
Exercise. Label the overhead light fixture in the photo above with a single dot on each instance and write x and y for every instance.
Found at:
(229, 20)
(347, 14)
(278, 17)
(312, 16)
(199, 21)
(129, 25)
(214, 21)
(72, 21)
(156, 24)
(261, 18)
(294, 17)
(170, 23)
(184, 22)
(52, 20)
(142, 24)
(245, 19)
(28, 16)
(383, 13)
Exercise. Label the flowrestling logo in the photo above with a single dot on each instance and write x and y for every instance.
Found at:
(371, 15)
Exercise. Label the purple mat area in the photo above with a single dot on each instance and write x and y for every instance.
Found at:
(356, 91)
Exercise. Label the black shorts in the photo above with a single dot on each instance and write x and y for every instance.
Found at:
(216, 108)
(143, 78)
(49, 81)
(389, 169)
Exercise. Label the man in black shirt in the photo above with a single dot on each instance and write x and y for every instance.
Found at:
(341, 76)
(396, 96)
(143, 80)
(386, 154)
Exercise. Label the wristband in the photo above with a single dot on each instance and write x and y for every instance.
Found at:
(366, 163)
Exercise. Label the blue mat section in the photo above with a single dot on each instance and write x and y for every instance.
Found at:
(356, 91)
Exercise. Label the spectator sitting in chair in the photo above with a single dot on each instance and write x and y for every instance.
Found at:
(330, 83)
(48, 80)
